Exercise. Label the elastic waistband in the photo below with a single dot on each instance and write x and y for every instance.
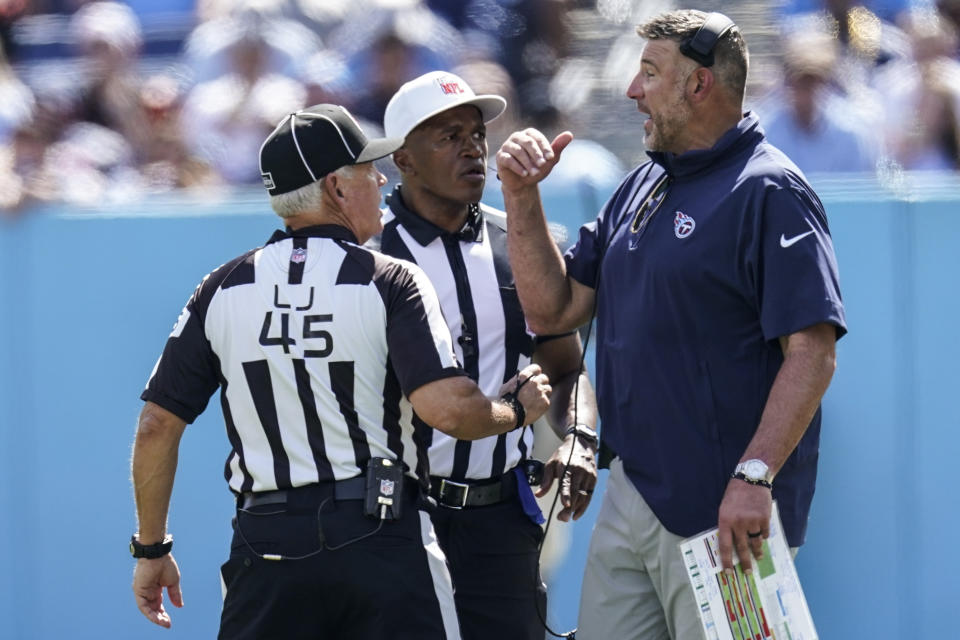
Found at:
(457, 494)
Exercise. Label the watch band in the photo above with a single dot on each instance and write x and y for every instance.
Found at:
(150, 551)
(760, 482)
(585, 432)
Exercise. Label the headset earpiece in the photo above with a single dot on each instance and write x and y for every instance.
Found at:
(700, 46)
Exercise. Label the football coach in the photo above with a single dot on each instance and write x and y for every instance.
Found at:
(712, 276)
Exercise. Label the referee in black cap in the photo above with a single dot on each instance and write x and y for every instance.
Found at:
(322, 351)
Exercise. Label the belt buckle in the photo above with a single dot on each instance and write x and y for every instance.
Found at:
(465, 488)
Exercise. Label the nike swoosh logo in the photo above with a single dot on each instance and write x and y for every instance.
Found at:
(789, 242)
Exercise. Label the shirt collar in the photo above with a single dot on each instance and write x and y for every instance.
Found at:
(746, 134)
(424, 231)
(333, 231)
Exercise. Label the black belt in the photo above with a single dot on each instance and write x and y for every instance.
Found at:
(473, 493)
(311, 494)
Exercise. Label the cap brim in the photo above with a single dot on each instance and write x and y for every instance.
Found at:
(378, 148)
(490, 106)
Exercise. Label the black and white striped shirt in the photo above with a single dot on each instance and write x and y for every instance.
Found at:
(315, 344)
(472, 276)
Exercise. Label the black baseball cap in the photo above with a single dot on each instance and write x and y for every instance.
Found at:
(311, 143)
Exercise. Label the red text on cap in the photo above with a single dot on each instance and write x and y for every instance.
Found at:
(449, 87)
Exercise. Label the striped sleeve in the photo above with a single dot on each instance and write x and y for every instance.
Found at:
(188, 371)
(418, 338)
(185, 376)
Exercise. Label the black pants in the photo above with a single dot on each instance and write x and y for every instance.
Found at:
(392, 584)
(492, 554)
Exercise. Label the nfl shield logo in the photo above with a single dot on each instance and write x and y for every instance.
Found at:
(683, 225)
(386, 487)
(449, 87)
(298, 255)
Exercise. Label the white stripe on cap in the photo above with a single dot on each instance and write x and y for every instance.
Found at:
(353, 156)
(296, 143)
(350, 116)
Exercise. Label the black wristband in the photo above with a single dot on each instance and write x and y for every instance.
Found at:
(150, 551)
(760, 482)
(514, 403)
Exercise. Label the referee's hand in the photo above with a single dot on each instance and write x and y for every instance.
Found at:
(534, 392)
(149, 579)
(575, 463)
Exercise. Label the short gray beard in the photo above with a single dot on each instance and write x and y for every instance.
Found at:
(667, 130)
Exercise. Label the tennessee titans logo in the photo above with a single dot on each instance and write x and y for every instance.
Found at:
(683, 225)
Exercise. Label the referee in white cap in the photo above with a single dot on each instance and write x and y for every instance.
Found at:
(488, 523)
(322, 350)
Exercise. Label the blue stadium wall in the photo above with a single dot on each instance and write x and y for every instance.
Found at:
(88, 296)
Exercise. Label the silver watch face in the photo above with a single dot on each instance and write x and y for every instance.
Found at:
(755, 469)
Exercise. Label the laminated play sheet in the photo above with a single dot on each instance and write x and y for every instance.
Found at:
(767, 604)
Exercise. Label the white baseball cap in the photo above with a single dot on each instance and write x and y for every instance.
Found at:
(430, 94)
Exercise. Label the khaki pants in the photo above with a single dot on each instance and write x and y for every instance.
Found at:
(635, 586)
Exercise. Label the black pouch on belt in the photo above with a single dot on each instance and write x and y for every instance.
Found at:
(533, 469)
(384, 496)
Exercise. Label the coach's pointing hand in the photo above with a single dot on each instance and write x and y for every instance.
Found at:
(527, 157)
(149, 579)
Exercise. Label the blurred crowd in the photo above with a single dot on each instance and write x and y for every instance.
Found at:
(868, 86)
(95, 107)
(108, 102)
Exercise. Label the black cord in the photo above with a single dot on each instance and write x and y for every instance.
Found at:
(323, 544)
(520, 384)
(572, 634)
(358, 538)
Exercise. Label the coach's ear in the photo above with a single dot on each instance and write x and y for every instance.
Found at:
(700, 84)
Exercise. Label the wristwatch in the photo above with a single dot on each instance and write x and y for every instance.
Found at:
(584, 432)
(754, 471)
(151, 551)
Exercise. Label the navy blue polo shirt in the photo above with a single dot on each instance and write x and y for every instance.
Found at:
(735, 253)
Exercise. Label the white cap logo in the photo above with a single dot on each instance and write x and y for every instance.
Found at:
(267, 180)
(449, 86)
(419, 100)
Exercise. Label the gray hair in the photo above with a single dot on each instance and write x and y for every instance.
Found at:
(730, 53)
(302, 200)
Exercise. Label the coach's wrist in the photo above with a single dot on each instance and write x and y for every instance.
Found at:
(755, 472)
(522, 198)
